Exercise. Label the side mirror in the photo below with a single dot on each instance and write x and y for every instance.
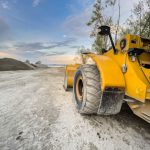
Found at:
(105, 30)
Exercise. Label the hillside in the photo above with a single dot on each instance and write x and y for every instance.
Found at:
(9, 64)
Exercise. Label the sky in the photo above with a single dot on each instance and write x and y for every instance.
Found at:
(48, 30)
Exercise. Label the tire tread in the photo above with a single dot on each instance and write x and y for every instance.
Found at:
(93, 89)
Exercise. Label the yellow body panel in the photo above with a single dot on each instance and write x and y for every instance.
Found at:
(135, 81)
(110, 72)
(69, 72)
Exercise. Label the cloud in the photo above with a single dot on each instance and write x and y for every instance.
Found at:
(54, 53)
(35, 3)
(21, 46)
(64, 36)
(58, 59)
(5, 31)
(76, 23)
(66, 42)
(36, 46)
(86, 3)
(36, 50)
(4, 4)
(6, 54)
(75, 47)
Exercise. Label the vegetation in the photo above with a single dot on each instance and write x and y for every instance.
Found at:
(138, 23)
(98, 18)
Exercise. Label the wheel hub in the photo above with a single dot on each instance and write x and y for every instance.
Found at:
(79, 88)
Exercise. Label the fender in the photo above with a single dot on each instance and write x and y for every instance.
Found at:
(69, 73)
(110, 72)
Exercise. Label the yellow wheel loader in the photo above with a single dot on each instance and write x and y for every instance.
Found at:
(121, 74)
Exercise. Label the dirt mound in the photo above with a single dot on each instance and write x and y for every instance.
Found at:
(8, 64)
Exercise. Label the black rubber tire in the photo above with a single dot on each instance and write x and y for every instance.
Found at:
(91, 89)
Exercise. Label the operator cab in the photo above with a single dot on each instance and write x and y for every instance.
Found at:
(134, 44)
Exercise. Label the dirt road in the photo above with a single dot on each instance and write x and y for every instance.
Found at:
(36, 114)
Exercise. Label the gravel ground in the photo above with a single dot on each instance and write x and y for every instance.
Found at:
(37, 114)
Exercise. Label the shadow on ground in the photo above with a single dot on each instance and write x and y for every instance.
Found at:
(125, 118)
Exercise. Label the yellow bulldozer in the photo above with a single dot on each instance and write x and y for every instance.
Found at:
(121, 74)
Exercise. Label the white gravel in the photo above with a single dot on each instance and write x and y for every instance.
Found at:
(37, 114)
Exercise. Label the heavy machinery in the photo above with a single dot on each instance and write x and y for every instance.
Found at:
(121, 74)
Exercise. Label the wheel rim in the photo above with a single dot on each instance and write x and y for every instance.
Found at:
(79, 88)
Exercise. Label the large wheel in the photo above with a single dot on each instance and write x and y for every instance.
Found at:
(88, 96)
(86, 89)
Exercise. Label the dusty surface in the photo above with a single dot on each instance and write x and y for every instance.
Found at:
(36, 113)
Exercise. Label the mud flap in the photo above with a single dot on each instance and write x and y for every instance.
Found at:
(111, 102)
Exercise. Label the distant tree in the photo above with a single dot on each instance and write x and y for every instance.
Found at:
(82, 50)
(38, 62)
(27, 61)
(98, 18)
(139, 21)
